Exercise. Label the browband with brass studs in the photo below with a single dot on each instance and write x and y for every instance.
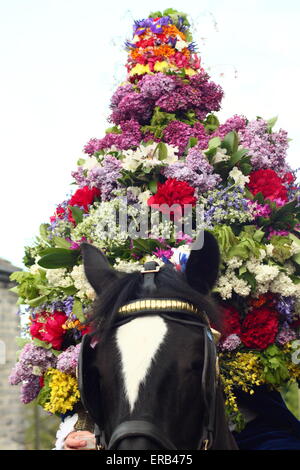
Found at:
(168, 305)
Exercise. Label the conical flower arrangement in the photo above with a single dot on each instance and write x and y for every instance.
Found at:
(166, 148)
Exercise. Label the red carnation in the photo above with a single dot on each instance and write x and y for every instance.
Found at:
(231, 321)
(259, 328)
(269, 184)
(84, 197)
(49, 328)
(173, 192)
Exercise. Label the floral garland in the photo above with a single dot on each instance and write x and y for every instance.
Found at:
(166, 146)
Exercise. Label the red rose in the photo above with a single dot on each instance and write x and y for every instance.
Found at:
(259, 328)
(173, 192)
(269, 184)
(49, 328)
(231, 321)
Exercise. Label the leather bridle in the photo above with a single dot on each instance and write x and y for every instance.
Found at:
(209, 378)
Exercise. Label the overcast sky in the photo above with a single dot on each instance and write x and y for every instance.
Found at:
(62, 59)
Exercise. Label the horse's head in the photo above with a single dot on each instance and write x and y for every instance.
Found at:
(149, 379)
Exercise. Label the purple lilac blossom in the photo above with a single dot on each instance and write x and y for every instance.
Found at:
(196, 171)
(130, 137)
(177, 133)
(154, 86)
(67, 361)
(105, 177)
(285, 335)
(30, 389)
(119, 94)
(235, 123)
(232, 342)
(200, 95)
(31, 356)
(132, 106)
(267, 150)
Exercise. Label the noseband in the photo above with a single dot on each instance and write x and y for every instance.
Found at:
(180, 312)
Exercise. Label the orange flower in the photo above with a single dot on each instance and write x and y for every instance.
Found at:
(173, 31)
(164, 51)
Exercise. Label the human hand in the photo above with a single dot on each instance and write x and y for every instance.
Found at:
(78, 440)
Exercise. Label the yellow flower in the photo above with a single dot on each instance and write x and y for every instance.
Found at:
(190, 72)
(140, 69)
(64, 392)
(163, 66)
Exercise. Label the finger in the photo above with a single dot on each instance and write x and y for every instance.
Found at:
(73, 444)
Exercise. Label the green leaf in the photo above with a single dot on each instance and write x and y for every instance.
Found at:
(211, 123)
(152, 185)
(20, 342)
(42, 344)
(113, 130)
(237, 156)
(271, 123)
(37, 301)
(214, 143)
(44, 232)
(77, 214)
(81, 161)
(230, 142)
(55, 258)
(61, 242)
(162, 151)
(77, 310)
(259, 197)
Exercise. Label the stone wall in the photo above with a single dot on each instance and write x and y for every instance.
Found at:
(12, 423)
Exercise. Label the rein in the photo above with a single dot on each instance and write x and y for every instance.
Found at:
(179, 312)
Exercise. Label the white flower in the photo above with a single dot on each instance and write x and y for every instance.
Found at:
(238, 177)
(84, 288)
(266, 273)
(58, 278)
(180, 44)
(269, 249)
(234, 262)
(90, 163)
(284, 285)
(220, 156)
(34, 269)
(144, 196)
(148, 157)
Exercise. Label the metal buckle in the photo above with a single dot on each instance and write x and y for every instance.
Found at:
(146, 271)
(205, 444)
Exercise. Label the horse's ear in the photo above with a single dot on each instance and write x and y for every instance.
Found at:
(96, 267)
(202, 267)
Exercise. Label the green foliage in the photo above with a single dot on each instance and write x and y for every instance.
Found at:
(275, 369)
(282, 248)
(77, 214)
(211, 123)
(54, 258)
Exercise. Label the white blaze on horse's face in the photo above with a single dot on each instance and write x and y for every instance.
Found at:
(138, 342)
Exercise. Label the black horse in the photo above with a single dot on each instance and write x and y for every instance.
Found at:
(148, 373)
